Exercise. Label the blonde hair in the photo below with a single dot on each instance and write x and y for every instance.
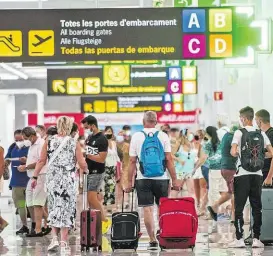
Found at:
(64, 125)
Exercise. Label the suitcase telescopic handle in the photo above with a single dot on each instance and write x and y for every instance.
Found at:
(123, 195)
(84, 192)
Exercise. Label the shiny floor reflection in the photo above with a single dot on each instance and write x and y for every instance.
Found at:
(212, 240)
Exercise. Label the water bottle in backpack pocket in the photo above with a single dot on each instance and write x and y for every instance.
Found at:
(252, 150)
(152, 158)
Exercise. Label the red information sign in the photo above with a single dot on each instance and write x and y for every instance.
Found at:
(218, 96)
(51, 119)
(189, 117)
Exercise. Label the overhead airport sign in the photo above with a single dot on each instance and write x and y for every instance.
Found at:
(120, 79)
(119, 104)
(118, 34)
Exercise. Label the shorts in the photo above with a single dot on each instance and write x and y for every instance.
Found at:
(205, 173)
(183, 176)
(94, 182)
(228, 175)
(19, 197)
(150, 191)
(198, 174)
(217, 182)
(37, 196)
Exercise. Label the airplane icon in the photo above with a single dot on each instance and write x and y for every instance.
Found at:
(41, 40)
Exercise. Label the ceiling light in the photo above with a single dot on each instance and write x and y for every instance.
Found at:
(14, 71)
(8, 77)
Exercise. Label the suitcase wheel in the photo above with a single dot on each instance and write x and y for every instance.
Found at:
(192, 247)
(100, 248)
(82, 248)
(87, 249)
(162, 248)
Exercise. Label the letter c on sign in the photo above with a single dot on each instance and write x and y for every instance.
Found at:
(175, 87)
(191, 47)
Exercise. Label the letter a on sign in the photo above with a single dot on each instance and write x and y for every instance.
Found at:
(194, 21)
(174, 73)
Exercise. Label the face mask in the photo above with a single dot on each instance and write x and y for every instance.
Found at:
(88, 132)
(190, 137)
(76, 137)
(109, 136)
(27, 143)
(19, 144)
(196, 137)
(120, 139)
(128, 133)
(39, 135)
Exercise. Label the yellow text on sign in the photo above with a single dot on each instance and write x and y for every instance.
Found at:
(11, 43)
(41, 43)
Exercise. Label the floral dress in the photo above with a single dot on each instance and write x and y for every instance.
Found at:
(60, 183)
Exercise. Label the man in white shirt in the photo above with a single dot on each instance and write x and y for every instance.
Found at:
(150, 190)
(247, 183)
(223, 129)
(35, 198)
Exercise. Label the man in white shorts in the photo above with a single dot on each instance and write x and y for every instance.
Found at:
(35, 198)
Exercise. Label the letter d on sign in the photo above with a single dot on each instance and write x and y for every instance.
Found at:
(220, 45)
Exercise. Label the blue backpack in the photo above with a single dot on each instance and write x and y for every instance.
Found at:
(152, 158)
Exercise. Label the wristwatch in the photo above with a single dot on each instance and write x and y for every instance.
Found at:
(35, 178)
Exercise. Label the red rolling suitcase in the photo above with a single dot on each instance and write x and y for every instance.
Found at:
(91, 225)
(178, 223)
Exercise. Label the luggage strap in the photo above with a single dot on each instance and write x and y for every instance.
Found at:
(181, 213)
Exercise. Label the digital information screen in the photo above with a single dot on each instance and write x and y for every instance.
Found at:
(119, 104)
(117, 34)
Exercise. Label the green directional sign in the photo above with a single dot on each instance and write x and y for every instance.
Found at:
(199, 3)
(183, 3)
(211, 3)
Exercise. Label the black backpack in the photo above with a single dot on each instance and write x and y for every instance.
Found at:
(252, 150)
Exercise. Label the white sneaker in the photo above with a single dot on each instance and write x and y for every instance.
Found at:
(54, 244)
(237, 244)
(257, 243)
(65, 249)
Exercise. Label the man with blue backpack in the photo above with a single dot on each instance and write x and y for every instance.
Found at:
(150, 154)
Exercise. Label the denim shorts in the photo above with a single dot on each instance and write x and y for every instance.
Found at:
(94, 181)
(205, 173)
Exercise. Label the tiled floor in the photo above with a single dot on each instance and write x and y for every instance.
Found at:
(212, 240)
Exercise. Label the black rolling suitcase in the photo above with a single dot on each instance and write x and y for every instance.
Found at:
(125, 231)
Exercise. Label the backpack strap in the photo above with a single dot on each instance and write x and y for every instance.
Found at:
(144, 133)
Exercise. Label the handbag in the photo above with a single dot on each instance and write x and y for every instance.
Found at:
(6, 174)
(58, 151)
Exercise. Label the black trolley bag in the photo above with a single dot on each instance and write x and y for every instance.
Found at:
(125, 231)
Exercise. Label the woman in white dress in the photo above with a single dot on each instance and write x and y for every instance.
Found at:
(62, 153)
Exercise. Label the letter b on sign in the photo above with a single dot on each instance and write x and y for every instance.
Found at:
(220, 20)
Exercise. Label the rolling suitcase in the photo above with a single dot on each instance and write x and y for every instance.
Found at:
(125, 231)
(178, 223)
(91, 225)
(267, 218)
